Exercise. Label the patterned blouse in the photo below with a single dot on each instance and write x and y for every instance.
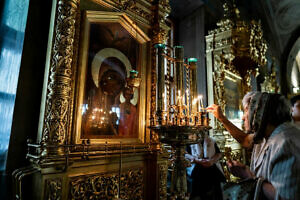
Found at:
(277, 160)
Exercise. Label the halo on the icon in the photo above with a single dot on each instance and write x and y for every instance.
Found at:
(101, 56)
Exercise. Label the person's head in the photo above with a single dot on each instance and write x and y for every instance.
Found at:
(262, 109)
(128, 93)
(295, 101)
(112, 82)
(246, 102)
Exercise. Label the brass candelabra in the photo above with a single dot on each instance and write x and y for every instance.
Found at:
(180, 118)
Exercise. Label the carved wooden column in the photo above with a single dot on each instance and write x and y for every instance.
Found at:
(56, 125)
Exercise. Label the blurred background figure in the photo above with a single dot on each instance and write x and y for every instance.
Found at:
(205, 174)
(295, 101)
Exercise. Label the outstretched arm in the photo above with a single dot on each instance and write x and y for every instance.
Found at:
(243, 138)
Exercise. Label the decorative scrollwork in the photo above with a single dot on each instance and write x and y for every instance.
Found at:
(258, 46)
(106, 186)
(95, 187)
(160, 35)
(230, 154)
(132, 185)
(162, 189)
(53, 190)
(165, 5)
(219, 90)
(247, 37)
(57, 112)
(134, 6)
(154, 136)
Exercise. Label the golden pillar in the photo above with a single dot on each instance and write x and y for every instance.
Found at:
(56, 124)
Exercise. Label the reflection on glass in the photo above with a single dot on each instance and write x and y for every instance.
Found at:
(102, 117)
(109, 110)
(12, 28)
(233, 101)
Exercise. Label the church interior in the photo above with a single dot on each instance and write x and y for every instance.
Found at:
(99, 98)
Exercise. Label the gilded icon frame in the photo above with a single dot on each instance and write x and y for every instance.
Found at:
(105, 68)
(233, 90)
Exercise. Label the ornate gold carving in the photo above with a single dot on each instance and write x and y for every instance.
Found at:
(53, 189)
(229, 154)
(219, 90)
(160, 29)
(162, 188)
(258, 46)
(135, 7)
(164, 4)
(106, 186)
(95, 187)
(159, 35)
(246, 38)
(270, 83)
(132, 185)
(236, 47)
(57, 112)
(153, 136)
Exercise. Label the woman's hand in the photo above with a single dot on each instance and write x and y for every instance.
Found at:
(240, 170)
(216, 111)
(204, 162)
(190, 158)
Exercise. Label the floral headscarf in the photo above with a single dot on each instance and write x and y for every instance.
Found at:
(257, 109)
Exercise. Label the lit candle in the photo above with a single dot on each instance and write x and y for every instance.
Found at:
(194, 103)
(179, 99)
(179, 67)
(201, 102)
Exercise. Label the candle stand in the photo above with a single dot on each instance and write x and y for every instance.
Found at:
(180, 118)
(178, 137)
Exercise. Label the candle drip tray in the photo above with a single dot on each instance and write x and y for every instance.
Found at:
(180, 135)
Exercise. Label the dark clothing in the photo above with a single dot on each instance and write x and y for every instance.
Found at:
(206, 181)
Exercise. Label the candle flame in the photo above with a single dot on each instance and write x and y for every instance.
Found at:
(194, 101)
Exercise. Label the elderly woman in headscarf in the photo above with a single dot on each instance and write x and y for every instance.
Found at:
(275, 141)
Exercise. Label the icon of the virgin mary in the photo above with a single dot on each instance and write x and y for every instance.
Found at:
(109, 71)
